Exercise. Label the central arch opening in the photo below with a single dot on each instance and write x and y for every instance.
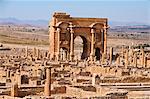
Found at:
(80, 47)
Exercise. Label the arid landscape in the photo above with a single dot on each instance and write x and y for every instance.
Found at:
(28, 68)
(35, 35)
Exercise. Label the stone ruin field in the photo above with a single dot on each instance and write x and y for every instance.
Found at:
(28, 55)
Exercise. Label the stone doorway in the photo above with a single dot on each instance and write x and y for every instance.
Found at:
(97, 53)
(24, 79)
(63, 53)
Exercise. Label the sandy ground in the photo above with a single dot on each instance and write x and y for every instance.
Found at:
(45, 47)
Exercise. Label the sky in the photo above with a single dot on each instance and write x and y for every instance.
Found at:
(114, 10)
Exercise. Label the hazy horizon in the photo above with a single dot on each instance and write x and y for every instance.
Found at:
(114, 10)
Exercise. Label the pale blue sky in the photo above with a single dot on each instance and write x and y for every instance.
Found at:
(114, 10)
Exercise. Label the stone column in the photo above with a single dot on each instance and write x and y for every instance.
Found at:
(92, 45)
(118, 60)
(142, 57)
(131, 51)
(34, 52)
(122, 51)
(135, 60)
(18, 78)
(105, 39)
(111, 55)
(14, 90)
(71, 43)
(103, 59)
(58, 43)
(102, 37)
(145, 61)
(8, 73)
(47, 88)
(93, 79)
(126, 59)
(26, 52)
(38, 53)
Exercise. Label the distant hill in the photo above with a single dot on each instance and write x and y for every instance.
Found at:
(14, 21)
(117, 23)
(114, 25)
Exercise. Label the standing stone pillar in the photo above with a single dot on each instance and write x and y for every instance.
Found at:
(93, 79)
(47, 88)
(111, 55)
(58, 43)
(142, 57)
(71, 43)
(105, 39)
(118, 60)
(103, 59)
(14, 90)
(92, 45)
(122, 51)
(26, 52)
(145, 61)
(126, 59)
(8, 73)
(135, 60)
(18, 78)
(38, 53)
(131, 51)
(34, 52)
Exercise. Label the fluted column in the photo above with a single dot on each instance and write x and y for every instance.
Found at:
(71, 42)
(58, 43)
(105, 39)
(92, 45)
(47, 88)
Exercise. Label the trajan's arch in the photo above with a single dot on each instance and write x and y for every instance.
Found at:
(63, 29)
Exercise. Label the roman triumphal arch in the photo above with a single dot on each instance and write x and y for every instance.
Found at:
(63, 29)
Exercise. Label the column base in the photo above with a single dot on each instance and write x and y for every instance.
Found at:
(91, 57)
(71, 57)
(57, 58)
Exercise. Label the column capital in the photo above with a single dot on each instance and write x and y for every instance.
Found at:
(105, 26)
(71, 26)
(92, 30)
(101, 30)
(48, 67)
(58, 29)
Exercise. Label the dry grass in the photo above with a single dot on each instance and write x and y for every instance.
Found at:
(114, 42)
(15, 40)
